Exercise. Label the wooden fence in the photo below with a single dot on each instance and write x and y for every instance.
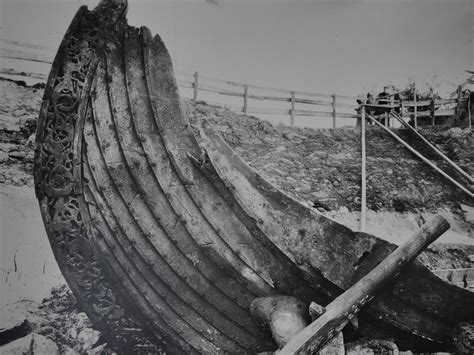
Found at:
(247, 99)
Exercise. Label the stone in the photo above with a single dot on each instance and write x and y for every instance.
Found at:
(468, 212)
(3, 157)
(13, 326)
(371, 346)
(88, 337)
(33, 344)
(463, 338)
(17, 155)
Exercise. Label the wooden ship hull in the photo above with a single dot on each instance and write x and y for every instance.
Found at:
(162, 231)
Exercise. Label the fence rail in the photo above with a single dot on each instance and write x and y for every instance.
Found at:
(334, 106)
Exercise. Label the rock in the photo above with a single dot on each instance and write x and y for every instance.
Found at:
(3, 157)
(8, 147)
(17, 155)
(468, 213)
(98, 350)
(66, 350)
(371, 346)
(13, 326)
(87, 338)
(463, 338)
(33, 344)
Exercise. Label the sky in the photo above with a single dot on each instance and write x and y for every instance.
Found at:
(343, 46)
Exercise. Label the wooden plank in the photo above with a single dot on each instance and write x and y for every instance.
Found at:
(9, 71)
(32, 57)
(417, 103)
(456, 275)
(27, 45)
(346, 306)
(425, 160)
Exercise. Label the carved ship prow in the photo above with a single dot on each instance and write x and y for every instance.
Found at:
(162, 230)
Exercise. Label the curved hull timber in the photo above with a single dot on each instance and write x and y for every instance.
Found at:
(158, 239)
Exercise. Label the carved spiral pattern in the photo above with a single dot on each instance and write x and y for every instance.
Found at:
(58, 177)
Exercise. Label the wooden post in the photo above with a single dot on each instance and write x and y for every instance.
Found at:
(469, 111)
(246, 88)
(363, 201)
(292, 111)
(195, 86)
(333, 113)
(415, 108)
(458, 107)
(401, 107)
(338, 313)
(433, 111)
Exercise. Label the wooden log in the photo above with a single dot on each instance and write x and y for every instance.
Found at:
(343, 308)
(437, 151)
(419, 155)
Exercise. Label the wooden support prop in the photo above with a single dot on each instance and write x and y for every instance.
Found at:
(363, 204)
(292, 111)
(338, 313)
(195, 86)
(333, 112)
(419, 155)
(437, 151)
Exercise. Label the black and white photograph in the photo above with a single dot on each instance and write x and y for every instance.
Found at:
(269, 177)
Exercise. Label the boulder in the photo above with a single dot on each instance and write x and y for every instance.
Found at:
(32, 344)
(371, 346)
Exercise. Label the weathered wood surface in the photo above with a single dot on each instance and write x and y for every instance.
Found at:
(149, 235)
(322, 247)
(339, 312)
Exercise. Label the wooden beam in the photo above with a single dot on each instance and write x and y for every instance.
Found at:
(338, 313)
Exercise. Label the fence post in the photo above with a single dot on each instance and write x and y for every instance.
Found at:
(363, 201)
(433, 111)
(195, 86)
(469, 111)
(292, 112)
(245, 99)
(415, 107)
(458, 108)
(333, 113)
(401, 107)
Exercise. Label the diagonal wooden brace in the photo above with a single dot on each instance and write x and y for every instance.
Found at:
(338, 313)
